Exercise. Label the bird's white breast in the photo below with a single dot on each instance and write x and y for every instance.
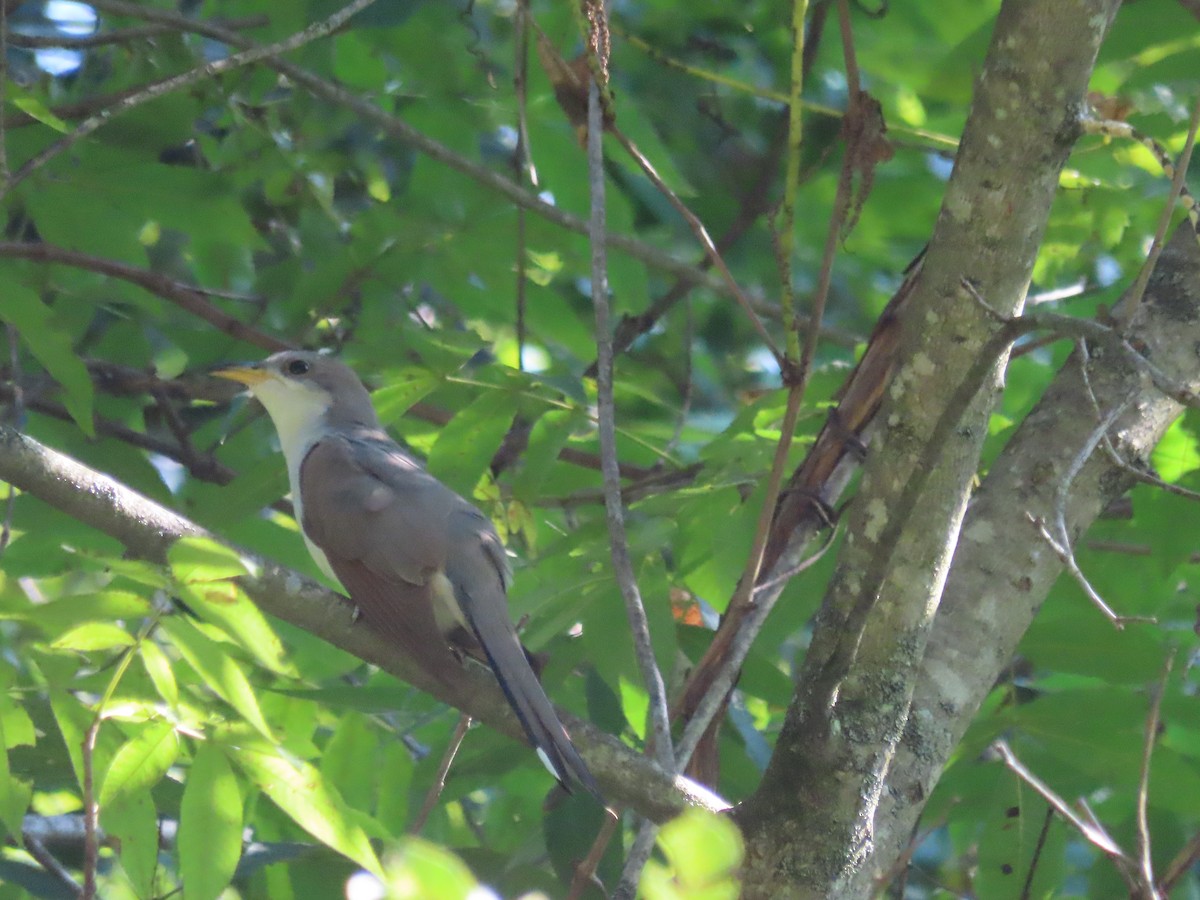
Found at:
(298, 411)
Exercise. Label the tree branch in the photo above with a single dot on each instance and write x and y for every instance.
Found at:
(148, 530)
(985, 613)
(189, 299)
(849, 711)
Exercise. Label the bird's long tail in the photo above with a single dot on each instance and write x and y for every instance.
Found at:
(533, 708)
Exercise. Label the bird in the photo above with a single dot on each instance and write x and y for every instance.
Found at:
(422, 566)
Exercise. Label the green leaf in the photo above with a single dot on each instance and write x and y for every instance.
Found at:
(704, 852)
(394, 400)
(51, 347)
(141, 763)
(200, 559)
(210, 825)
(395, 775)
(61, 615)
(219, 671)
(417, 869)
(300, 790)
(36, 109)
(465, 447)
(158, 667)
(546, 439)
(225, 605)
(16, 730)
(1013, 847)
(93, 636)
(348, 760)
(133, 822)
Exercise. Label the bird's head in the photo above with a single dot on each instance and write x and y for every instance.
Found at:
(304, 391)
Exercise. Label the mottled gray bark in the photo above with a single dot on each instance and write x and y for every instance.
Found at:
(810, 827)
(1003, 569)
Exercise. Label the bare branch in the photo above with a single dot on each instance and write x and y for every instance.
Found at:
(187, 298)
(1150, 738)
(659, 742)
(439, 779)
(1092, 833)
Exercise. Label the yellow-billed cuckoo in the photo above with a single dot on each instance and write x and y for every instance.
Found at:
(423, 566)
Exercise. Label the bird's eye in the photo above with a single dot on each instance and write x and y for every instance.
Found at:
(298, 367)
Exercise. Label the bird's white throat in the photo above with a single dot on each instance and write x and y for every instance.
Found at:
(298, 411)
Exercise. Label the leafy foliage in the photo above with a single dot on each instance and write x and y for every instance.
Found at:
(261, 201)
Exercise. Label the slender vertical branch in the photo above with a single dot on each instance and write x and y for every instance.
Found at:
(1145, 861)
(1160, 234)
(16, 410)
(91, 812)
(523, 169)
(439, 780)
(660, 735)
(791, 180)
(3, 91)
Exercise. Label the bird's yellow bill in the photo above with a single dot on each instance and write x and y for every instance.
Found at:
(247, 375)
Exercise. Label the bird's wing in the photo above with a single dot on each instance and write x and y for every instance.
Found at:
(385, 540)
(478, 570)
(406, 530)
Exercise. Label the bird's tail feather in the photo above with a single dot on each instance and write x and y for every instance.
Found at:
(534, 710)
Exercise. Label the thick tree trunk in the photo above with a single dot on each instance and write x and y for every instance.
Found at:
(810, 826)
(1003, 569)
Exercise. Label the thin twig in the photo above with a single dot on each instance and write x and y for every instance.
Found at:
(1038, 847)
(659, 737)
(1138, 290)
(1059, 539)
(1069, 327)
(439, 780)
(1092, 832)
(15, 416)
(745, 594)
(68, 42)
(187, 298)
(785, 234)
(763, 601)
(177, 427)
(49, 861)
(899, 869)
(1148, 477)
(522, 161)
(660, 732)
(192, 76)
(203, 467)
(1181, 864)
(585, 871)
(704, 238)
(753, 203)
(3, 92)
(639, 853)
(91, 812)
(685, 400)
(784, 238)
(1145, 860)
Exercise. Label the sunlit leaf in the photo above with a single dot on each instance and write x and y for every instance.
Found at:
(219, 671)
(210, 825)
(140, 764)
(299, 790)
(198, 559)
